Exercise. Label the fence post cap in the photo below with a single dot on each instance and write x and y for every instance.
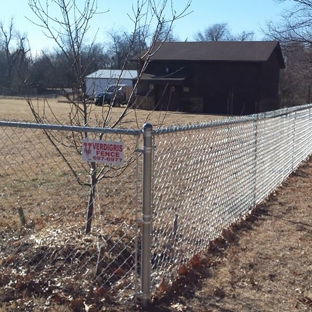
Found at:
(147, 126)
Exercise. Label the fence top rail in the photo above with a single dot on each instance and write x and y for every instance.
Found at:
(228, 121)
(69, 128)
(205, 124)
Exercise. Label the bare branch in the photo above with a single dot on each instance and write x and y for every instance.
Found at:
(69, 32)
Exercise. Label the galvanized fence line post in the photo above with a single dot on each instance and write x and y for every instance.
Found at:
(136, 255)
(255, 133)
(293, 152)
(146, 214)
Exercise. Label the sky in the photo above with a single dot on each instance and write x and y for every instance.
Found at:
(240, 15)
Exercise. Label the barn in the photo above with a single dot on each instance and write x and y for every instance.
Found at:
(228, 77)
(99, 80)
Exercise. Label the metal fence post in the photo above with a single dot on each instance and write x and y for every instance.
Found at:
(255, 133)
(146, 214)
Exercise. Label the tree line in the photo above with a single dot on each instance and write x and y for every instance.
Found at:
(294, 32)
(24, 73)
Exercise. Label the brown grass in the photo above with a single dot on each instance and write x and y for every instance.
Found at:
(18, 110)
(39, 164)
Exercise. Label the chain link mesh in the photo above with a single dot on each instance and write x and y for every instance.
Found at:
(43, 245)
(209, 177)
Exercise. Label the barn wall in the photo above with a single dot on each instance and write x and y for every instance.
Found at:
(229, 88)
(270, 84)
(226, 88)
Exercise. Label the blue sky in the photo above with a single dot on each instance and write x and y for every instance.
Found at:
(241, 15)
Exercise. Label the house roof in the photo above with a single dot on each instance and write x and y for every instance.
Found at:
(240, 51)
(113, 74)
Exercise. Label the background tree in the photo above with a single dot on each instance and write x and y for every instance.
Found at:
(14, 49)
(243, 36)
(215, 32)
(41, 74)
(120, 42)
(165, 33)
(123, 45)
(95, 57)
(50, 70)
(221, 32)
(295, 24)
(25, 73)
(3, 69)
(294, 32)
(296, 79)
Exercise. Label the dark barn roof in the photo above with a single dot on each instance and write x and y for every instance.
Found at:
(231, 51)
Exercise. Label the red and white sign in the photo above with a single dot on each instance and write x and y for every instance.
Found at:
(107, 152)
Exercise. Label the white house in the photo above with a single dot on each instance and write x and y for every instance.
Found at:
(98, 81)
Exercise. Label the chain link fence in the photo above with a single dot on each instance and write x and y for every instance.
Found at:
(209, 176)
(147, 228)
(45, 201)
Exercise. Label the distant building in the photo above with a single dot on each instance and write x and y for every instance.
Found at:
(228, 77)
(99, 80)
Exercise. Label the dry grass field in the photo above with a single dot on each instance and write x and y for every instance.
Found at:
(17, 109)
(49, 167)
(262, 264)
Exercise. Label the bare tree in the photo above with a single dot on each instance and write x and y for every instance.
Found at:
(68, 33)
(215, 32)
(295, 24)
(15, 48)
(294, 32)
(166, 33)
(296, 79)
(243, 36)
(221, 32)
(124, 46)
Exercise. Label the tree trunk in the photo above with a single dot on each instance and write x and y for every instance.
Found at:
(90, 208)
